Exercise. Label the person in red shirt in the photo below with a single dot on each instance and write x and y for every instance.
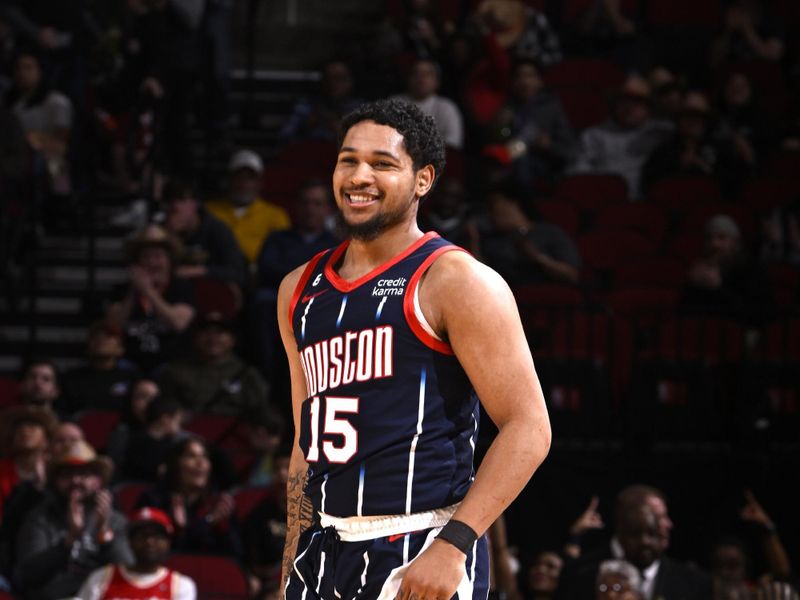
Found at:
(149, 534)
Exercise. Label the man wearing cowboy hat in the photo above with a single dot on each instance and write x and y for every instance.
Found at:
(149, 531)
(155, 307)
(73, 530)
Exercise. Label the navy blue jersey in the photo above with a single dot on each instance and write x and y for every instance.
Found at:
(390, 419)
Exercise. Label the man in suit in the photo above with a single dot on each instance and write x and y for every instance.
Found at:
(641, 536)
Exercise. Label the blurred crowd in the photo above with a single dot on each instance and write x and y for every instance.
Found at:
(595, 148)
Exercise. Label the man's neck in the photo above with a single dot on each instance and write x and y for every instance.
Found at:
(144, 569)
(363, 256)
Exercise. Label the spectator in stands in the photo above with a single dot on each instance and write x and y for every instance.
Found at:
(423, 84)
(618, 580)
(748, 33)
(106, 379)
(25, 437)
(317, 118)
(780, 235)
(283, 251)
(531, 132)
(667, 94)
(149, 534)
(250, 218)
(203, 519)
(66, 435)
(587, 521)
(691, 149)
(73, 531)
(264, 529)
(133, 418)
(40, 384)
(155, 307)
(447, 212)
(264, 434)
(524, 31)
(209, 248)
(47, 119)
(521, 247)
(607, 29)
(742, 124)
(147, 449)
(777, 559)
(214, 380)
(424, 29)
(623, 143)
(773, 590)
(725, 281)
(540, 578)
(729, 565)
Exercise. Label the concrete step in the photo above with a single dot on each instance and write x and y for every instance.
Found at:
(53, 305)
(45, 334)
(53, 277)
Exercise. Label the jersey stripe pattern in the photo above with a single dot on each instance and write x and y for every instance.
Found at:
(390, 419)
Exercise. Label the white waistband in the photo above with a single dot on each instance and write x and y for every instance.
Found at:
(358, 529)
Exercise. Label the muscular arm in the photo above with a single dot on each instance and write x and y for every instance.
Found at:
(299, 509)
(485, 332)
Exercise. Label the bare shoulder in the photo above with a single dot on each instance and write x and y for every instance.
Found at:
(460, 275)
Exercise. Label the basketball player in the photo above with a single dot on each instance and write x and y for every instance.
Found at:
(387, 336)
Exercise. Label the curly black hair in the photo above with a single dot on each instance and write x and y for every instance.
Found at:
(421, 137)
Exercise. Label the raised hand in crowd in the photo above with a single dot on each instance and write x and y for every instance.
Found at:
(588, 520)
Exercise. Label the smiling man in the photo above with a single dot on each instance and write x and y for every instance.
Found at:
(391, 338)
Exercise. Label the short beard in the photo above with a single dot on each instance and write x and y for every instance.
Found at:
(372, 229)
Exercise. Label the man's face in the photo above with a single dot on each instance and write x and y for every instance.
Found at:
(245, 186)
(104, 345)
(631, 112)
(150, 544)
(728, 564)
(721, 245)
(213, 342)
(67, 435)
(182, 214)
(39, 386)
(423, 80)
(142, 395)
(28, 437)
(312, 209)
(27, 73)
(81, 482)
(527, 82)
(640, 538)
(155, 260)
(659, 508)
(374, 182)
(338, 80)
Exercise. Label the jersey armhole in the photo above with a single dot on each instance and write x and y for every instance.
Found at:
(413, 312)
(307, 272)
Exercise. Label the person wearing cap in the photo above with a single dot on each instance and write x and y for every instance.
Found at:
(150, 533)
(623, 143)
(214, 380)
(726, 281)
(209, 248)
(155, 307)
(106, 378)
(250, 217)
(73, 530)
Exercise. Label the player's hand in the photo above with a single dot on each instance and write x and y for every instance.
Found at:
(434, 574)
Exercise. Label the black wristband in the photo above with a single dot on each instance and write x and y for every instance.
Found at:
(459, 534)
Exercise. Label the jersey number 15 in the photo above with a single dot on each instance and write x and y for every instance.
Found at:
(333, 425)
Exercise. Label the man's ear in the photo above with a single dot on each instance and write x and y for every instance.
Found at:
(425, 177)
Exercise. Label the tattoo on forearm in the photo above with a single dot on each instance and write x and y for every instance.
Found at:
(300, 516)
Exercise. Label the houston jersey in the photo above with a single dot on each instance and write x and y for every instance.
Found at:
(390, 419)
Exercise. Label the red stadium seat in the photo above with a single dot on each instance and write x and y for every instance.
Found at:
(707, 13)
(217, 577)
(762, 195)
(642, 217)
(591, 192)
(9, 391)
(609, 249)
(595, 73)
(584, 106)
(560, 213)
(548, 294)
(681, 193)
(247, 499)
(214, 295)
(637, 302)
(687, 246)
(707, 340)
(97, 426)
(127, 494)
(651, 272)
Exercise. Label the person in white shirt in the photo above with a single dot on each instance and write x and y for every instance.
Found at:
(149, 533)
(423, 83)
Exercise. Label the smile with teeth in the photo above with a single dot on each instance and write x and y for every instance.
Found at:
(360, 198)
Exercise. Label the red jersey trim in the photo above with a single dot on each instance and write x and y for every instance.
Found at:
(348, 286)
(408, 303)
(302, 284)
